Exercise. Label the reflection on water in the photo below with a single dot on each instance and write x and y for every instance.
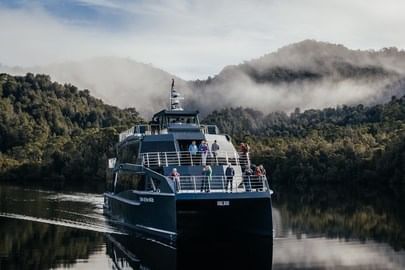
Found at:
(325, 229)
(203, 253)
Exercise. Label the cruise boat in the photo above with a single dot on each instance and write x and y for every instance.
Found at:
(144, 194)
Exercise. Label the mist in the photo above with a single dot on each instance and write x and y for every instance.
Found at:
(305, 75)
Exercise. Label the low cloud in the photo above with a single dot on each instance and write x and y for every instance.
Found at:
(192, 39)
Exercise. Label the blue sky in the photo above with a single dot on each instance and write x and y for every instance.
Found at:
(190, 38)
(76, 12)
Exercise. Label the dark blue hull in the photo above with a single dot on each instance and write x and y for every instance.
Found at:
(169, 216)
(224, 214)
(149, 213)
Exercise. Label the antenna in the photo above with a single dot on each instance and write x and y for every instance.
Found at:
(175, 98)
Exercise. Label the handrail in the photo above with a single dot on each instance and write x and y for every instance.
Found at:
(237, 183)
(200, 183)
(185, 158)
(144, 129)
(156, 129)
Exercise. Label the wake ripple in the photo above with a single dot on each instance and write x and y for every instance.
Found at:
(66, 223)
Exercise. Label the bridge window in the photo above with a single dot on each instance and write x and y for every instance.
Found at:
(128, 153)
(182, 119)
(129, 181)
(165, 146)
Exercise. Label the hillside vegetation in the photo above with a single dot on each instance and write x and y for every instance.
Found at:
(55, 132)
(58, 134)
(346, 144)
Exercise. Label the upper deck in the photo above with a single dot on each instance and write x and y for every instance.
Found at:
(165, 122)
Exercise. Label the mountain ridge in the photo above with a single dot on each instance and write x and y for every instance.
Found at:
(307, 74)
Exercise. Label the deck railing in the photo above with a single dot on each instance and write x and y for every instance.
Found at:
(241, 183)
(185, 158)
(155, 129)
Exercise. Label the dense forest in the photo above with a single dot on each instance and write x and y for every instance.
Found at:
(55, 132)
(356, 143)
(60, 135)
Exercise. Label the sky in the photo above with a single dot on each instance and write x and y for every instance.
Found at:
(188, 38)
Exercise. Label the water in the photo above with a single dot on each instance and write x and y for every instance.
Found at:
(329, 228)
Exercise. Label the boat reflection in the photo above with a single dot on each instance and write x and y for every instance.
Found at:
(138, 252)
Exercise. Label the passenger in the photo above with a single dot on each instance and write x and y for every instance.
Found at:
(262, 169)
(175, 175)
(214, 150)
(203, 149)
(206, 179)
(229, 173)
(193, 149)
(244, 153)
(258, 171)
(263, 176)
(258, 181)
(247, 178)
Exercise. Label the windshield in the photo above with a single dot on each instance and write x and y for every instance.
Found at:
(182, 119)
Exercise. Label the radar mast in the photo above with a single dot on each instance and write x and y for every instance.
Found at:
(175, 98)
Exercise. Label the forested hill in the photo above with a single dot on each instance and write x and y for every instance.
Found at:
(52, 131)
(347, 143)
(308, 74)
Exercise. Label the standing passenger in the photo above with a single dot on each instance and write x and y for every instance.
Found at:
(258, 181)
(229, 173)
(176, 178)
(244, 152)
(247, 178)
(207, 176)
(214, 150)
(204, 152)
(193, 149)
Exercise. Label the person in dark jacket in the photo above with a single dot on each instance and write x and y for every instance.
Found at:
(229, 173)
(214, 151)
(247, 178)
(206, 179)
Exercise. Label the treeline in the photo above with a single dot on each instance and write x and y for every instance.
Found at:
(55, 132)
(335, 144)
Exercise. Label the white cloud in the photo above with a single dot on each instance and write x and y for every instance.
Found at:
(194, 39)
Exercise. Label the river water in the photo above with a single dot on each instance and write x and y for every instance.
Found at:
(327, 228)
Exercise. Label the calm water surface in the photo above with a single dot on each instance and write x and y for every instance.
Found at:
(42, 229)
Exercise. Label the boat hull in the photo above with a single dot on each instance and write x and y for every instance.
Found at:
(193, 215)
(146, 212)
(224, 215)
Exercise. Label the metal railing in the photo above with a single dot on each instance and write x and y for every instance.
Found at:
(151, 129)
(209, 129)
(155, 129)
(241, 183)
(185, 158)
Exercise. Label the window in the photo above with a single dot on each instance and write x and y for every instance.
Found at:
(129, 181)
(182, 119)
(165, 146)
(128, 153)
